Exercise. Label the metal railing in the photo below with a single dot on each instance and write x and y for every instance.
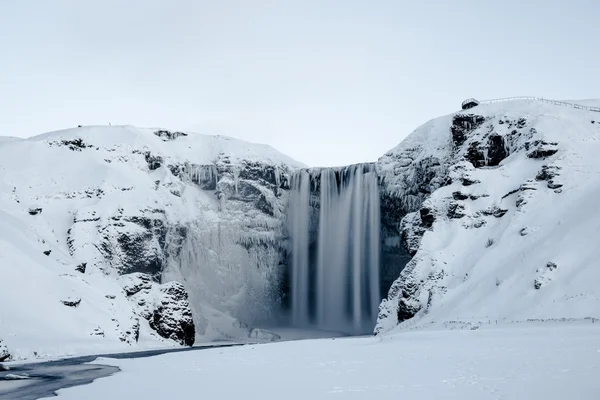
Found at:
(549, 101)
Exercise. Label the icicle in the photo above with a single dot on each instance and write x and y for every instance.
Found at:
(236, 175)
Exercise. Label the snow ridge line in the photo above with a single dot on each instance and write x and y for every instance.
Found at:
(549, 101)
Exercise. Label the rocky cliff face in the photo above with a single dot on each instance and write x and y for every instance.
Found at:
(481, 202)
(190, 222)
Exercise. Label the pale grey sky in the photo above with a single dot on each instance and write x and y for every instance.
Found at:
(326, 82)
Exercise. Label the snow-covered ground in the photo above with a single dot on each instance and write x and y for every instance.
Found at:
(525, 361)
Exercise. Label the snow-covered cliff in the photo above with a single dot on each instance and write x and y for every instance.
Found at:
(496, 206)
(117, 236)
(99, 224)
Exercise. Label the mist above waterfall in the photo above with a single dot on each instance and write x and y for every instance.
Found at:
(334, 222)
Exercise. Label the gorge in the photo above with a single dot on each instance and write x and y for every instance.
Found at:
(147, 237)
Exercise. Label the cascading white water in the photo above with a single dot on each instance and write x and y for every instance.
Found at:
(335, 249)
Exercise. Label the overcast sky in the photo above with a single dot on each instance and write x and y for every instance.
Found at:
(326, 82)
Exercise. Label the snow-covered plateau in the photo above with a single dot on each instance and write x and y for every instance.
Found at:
(117, 238)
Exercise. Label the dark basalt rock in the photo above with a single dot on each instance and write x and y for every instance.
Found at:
(246, 192)
(554, 185)
(134, 247)
(475, 197)
(175, 169)
(132, 332)
(494, 211)
(74, 144)
(495, 149)
(391, 211)
(205, 176)
(263, 205)
(511, 193)
(47, 252)
(81, 268)
(173, 318)
(427, 217)
(406, 308)
(548, 172)
(154, 162)
(456, 210)
(256, 171)
(131, 249)
(463, 125)
(467, 181)
(71, 302)
(541, 149)
(460, 196)
(528, 185)
(138, 282)
(166, 135)
(35, 211)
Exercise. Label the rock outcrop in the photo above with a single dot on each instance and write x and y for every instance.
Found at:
(462, 192)
(164, 306)
(204, 211)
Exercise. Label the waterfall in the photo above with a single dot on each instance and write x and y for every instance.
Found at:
(333, 222)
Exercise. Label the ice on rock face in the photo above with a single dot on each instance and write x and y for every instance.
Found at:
(202, 210)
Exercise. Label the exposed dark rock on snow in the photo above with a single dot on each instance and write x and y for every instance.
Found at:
(129, 241)
(4, 354)
(73, 144)
(154, 162)
(47, 252)
(169, 135)
(460, 196)
(172, 318)
(554, 185)
(167, 310)
(490, 154)
(456, 210)
(547, 172)
(406, 177)
(81, 268)
(467, 181)
(541, 149)
(136, 282)
(412, 230)
(165, 306)
(494, 211)
(71, 302)
(545, 275)
(35, 211)
(470, 145)
(427, 217)
(463, 125)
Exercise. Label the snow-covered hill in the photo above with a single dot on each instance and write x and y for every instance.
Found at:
(497, 205)
(97, 224)
(112, 236)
